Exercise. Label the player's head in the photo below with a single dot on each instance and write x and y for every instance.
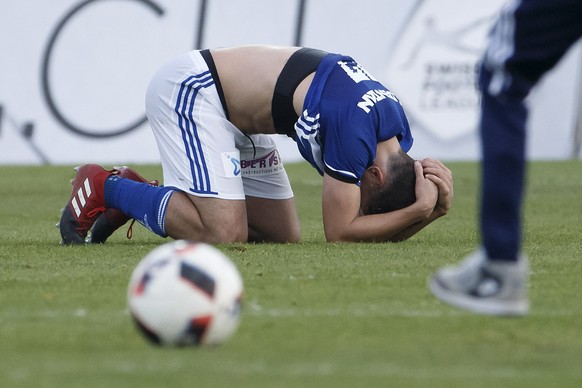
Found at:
(395, 191)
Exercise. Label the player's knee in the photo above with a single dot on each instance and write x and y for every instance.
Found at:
(228, 233)
(281, 236)
(208, 232)
(294, 235)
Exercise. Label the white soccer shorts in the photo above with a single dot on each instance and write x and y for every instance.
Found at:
(201, 152)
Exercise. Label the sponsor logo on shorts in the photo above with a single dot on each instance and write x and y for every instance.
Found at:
(267, 164)
(231, 163)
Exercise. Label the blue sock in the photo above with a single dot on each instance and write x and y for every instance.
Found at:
(145, 203)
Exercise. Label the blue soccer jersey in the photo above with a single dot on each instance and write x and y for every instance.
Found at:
(345, 115)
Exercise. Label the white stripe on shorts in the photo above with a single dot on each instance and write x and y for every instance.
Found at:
(189, 89)
(501, 47)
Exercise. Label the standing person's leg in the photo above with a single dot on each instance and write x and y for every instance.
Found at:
(528, 39)
(503, 135)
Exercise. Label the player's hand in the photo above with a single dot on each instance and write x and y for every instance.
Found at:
(442, 177)
(427, 192)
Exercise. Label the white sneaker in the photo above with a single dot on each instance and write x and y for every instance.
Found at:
(484, 286)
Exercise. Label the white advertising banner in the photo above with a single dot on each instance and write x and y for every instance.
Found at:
(432, 68)
(72, 89)
(73, 73)
(434, 61)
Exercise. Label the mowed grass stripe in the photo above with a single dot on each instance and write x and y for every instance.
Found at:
(315, 314)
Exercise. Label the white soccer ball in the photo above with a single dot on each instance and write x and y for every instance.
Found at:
(186, 294)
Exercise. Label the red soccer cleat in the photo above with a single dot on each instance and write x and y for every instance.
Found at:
(113, 219)
(85, 204)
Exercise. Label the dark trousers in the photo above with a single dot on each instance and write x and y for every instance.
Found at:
(528, 39)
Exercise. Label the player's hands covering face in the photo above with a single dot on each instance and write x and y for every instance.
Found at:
(426, 190)
(442, 177)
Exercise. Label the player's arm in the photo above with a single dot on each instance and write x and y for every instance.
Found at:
(342, 220)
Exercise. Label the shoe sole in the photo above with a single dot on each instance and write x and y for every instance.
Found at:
(68, 228)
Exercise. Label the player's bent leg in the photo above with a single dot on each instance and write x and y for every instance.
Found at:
(272, 220)
(209, 220)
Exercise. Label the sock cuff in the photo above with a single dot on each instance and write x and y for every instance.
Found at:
(108, 184)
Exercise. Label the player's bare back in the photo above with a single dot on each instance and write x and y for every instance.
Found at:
(248, 75)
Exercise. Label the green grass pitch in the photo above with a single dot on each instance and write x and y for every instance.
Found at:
(314, 315)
